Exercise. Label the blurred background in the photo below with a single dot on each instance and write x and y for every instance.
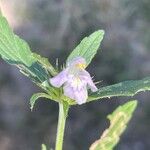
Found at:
(53, 28)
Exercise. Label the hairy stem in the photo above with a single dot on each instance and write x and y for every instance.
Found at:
(63, 111)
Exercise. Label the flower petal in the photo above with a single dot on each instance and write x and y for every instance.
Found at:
(81, 96)
(59, 79)
(86, 76)
(68, 91)
(92, 85)
(76, 60)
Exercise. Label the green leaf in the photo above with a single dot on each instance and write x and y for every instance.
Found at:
(43, 147)
(16, 51)
(118, 123)
(12, 47)
(88, 47)
(126, 88)
(36, 96)
(35, 72)
(46, 64)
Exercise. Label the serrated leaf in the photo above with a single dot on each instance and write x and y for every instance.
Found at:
(126, 88)
(36, 72)
(16, 51)
(118, 123)
(36, 96)
(12, 47)
(88, 47)
(45, 63)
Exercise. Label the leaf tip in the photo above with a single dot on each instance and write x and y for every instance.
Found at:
(43, 146)
(100, 33)
(31, 108)
(130, 106)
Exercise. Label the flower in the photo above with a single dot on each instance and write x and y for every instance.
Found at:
(75, 80)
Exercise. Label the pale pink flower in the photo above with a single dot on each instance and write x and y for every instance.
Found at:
(75, 80)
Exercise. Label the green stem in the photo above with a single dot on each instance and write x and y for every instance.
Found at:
(63, 111)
